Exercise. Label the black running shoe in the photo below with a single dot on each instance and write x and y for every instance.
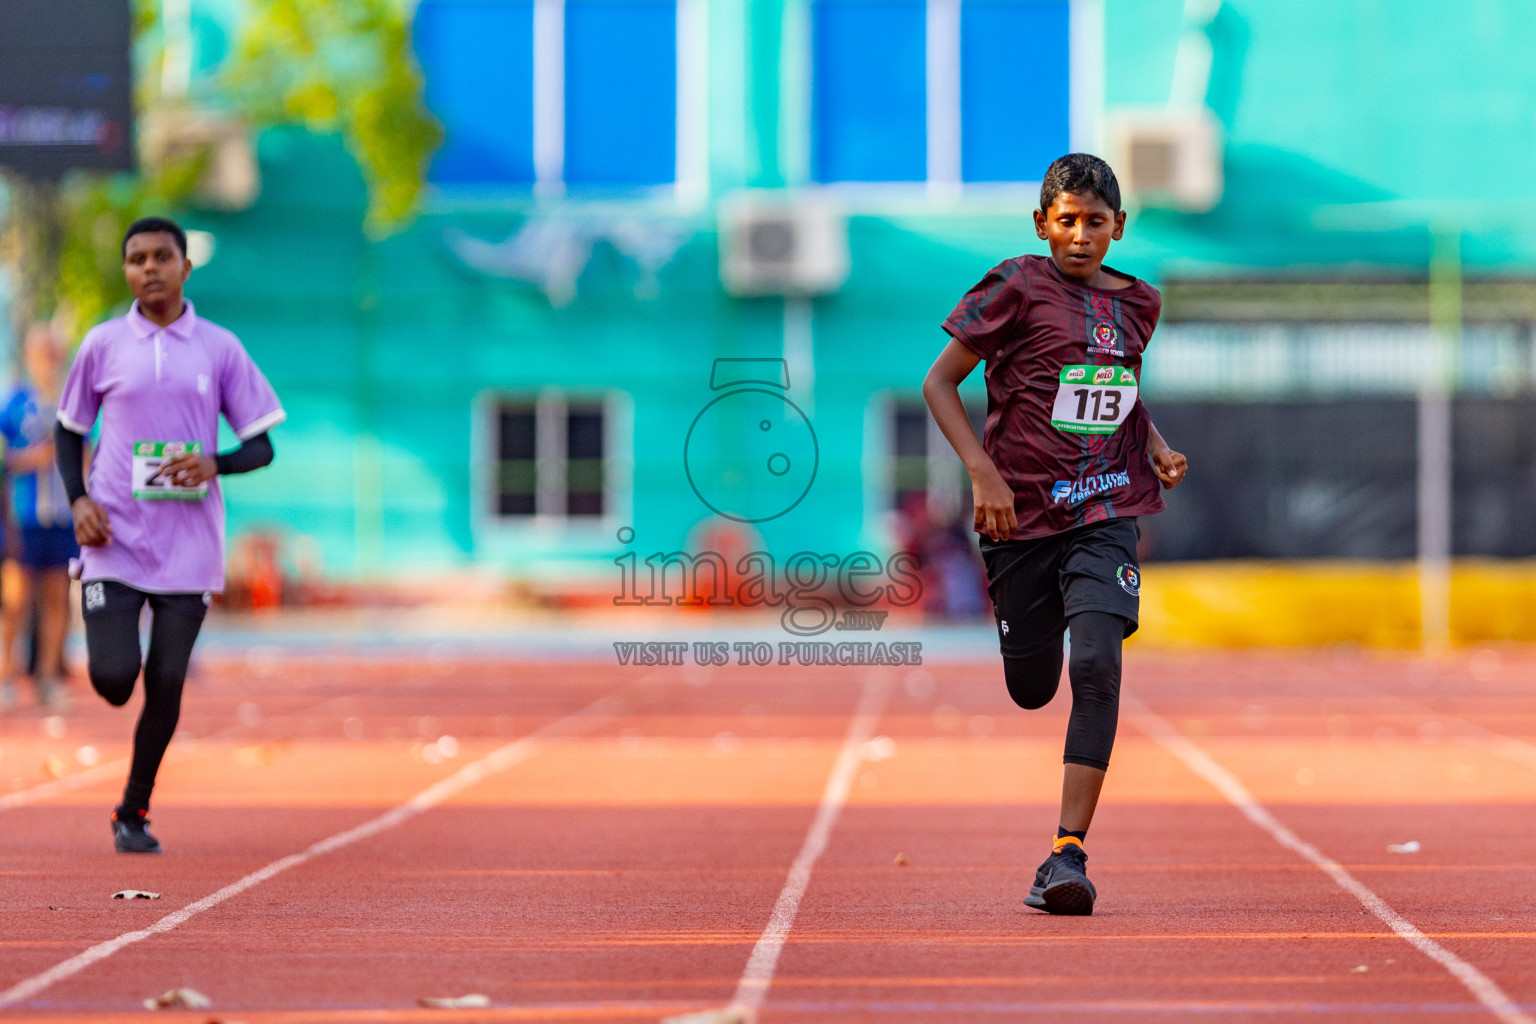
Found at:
(130, 835)
(1061, 885)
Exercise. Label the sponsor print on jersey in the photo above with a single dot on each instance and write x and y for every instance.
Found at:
(1129, 579)
(1089, 486)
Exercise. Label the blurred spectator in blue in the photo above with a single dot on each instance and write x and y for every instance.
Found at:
(45, 532)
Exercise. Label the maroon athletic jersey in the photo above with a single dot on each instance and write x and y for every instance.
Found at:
(1032, 325)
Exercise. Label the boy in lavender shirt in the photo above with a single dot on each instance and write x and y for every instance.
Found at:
(151, 527)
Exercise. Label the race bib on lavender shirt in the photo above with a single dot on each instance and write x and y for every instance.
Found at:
(1093, 399)
(149, 458)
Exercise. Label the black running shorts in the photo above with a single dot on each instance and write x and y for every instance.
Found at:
(1036, 585)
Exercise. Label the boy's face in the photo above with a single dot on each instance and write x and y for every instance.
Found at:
(1079, 227)
(155, 268)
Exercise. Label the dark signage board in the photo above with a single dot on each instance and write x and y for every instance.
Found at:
(66, 86)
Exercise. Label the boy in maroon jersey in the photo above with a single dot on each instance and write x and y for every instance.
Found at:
(1070, 459)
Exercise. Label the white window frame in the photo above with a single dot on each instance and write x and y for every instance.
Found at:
(690, 171)
(550, 520)
(945, 470)
(944, 185)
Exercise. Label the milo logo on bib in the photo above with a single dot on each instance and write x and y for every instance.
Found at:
(150, 483)
(1093, 399)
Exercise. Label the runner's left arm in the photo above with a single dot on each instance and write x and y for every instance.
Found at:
(192, 469)
(253, 453)
(1168, 464)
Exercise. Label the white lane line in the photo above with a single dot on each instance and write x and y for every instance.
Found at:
(499, 760)
(1227, 784)
(752, 989)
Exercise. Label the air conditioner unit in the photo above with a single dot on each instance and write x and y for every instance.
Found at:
(773, 243)
(230, 179)
(1168, 158)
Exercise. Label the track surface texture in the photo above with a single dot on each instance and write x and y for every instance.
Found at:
(596, 843)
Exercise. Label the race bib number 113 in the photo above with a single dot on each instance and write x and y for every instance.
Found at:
(1093, 399)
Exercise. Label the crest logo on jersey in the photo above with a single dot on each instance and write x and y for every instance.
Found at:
(1076, 373)
(1105, 339)
(1104, 374)
(202, 383)
(1129, 579)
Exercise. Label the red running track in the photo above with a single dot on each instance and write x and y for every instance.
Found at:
(622, 864)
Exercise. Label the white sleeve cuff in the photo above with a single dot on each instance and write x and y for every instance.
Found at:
(69, 424)
(260, 426)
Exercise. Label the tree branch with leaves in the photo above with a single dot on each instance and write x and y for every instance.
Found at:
(343, 67)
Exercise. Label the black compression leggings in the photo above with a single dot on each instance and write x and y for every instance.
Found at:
(112, 642)
(1095, 674)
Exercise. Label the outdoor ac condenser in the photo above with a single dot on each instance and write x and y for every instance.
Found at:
(777, 244)
(1169, 158)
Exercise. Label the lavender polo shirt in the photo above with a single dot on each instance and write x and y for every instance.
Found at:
(161, 384)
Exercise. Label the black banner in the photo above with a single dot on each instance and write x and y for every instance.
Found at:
(1339, 479)
(66, 86)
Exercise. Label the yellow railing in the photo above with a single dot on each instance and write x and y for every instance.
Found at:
(1310, 604)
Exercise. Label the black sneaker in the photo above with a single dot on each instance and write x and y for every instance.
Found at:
(1061, 885)
(130, 835)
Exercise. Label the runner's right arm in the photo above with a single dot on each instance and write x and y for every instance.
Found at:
(941, 390)
(91, 525)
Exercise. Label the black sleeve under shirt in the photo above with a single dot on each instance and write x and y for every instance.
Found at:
(253, 453)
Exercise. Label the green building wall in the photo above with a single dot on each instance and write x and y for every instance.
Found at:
(385, 351)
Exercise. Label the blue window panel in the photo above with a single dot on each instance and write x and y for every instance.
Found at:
(1014, 69)
(869, 91)
(620, 92)
(477, 59)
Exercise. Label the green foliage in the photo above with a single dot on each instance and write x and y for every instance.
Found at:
(342, 66)
(338, 66)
